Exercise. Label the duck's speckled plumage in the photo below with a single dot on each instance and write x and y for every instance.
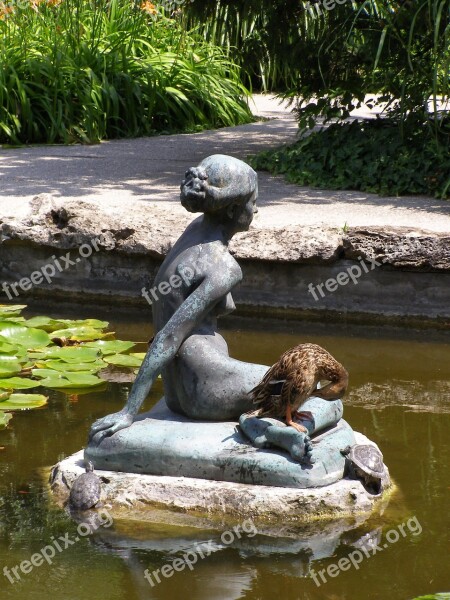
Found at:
(294, 378)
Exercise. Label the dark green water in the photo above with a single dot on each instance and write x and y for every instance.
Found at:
(399, 396)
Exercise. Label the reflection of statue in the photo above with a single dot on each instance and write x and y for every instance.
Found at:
(223, 574)
(200, 379)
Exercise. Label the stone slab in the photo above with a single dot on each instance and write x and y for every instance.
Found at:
(162, 442)
(138, 492)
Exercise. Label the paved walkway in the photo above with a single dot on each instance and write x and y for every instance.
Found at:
(118, 175)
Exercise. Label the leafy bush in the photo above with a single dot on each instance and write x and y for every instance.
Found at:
(85, 70)
(369, 155)
(330, 59)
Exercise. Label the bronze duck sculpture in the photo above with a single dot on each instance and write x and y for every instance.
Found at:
(291, 380)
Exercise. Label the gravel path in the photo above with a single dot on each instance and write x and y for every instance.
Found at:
(119, 175)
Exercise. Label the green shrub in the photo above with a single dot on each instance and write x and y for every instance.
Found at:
(368, 155)
(85, 70)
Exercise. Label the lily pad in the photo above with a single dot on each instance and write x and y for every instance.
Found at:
(95, 323)
(439, 596)
(7, 348)
(78, 354)
(4, 419)
(4, 324)
(18, 383)
(140, 355)
(23, 402)
(45, 323)
(11, 309)
(4, 395)
(14, 320)
(111, 346)
(9, 365)
(25, 336)
(42, 373)
(80, 334)
(123, 360)
(58, 365)
(71, 380)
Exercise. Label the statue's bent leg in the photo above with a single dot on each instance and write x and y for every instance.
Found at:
(217, 390)
(267, 432)
(324, 413)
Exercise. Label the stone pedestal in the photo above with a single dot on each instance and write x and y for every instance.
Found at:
(164, 443)
(131, 495)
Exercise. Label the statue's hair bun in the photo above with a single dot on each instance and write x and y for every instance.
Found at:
(232, 180)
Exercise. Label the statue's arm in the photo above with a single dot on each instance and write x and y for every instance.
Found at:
(165, 346)
(169, 339)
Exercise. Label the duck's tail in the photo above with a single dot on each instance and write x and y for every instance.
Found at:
(267, 396)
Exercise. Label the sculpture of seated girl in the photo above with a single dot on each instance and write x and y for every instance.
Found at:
(201, 380)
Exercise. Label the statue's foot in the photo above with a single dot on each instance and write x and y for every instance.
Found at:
(297, 443)
(255, 429)
(267, 432)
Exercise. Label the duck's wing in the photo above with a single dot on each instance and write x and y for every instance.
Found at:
(298, 386)
(267, 394)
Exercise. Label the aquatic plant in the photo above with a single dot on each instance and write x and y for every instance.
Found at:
(63, 354)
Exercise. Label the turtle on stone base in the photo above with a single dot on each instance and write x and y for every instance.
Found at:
(365, 462)
(86, 490)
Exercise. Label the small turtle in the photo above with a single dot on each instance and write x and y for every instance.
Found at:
(365, 462)
(86, 490)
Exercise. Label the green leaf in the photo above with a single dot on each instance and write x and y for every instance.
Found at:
(94, 323)
(25, 336)
(78, 354)
(441, 596)
(111, 347)
(18, 383)
(123, 360)
(15, 320)
(43, 373)
(65, 366)
(7, 348)
(23, 402)
(45, 323)
(80, 334)
(71, 380)
(10, 310)
(5, 418)
(9, 365)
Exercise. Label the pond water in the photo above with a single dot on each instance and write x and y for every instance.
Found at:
(399, 396)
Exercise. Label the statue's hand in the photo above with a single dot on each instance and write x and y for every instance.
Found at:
(108, 425)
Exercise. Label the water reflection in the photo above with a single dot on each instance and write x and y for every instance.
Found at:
(398, 396)
(213, 570)
(432, 396)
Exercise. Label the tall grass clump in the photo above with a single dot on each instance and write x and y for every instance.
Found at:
(86, 70)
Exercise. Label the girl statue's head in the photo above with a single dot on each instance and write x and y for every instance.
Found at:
(222, 186)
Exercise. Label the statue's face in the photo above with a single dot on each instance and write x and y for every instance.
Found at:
(243, 215)
(200, 193)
